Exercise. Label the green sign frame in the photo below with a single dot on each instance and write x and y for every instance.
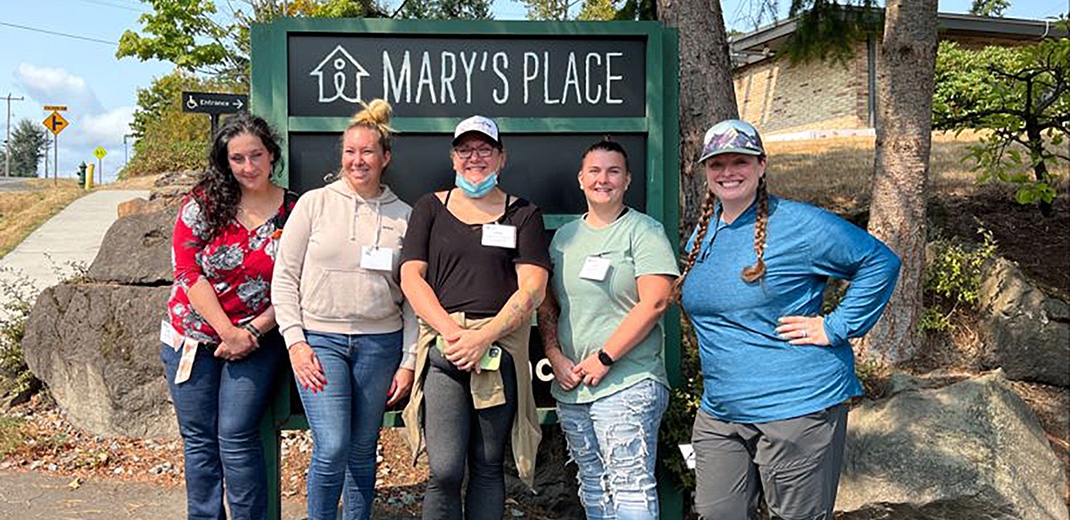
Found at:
(660, 126)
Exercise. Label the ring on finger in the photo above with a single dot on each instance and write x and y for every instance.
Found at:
(805, 333)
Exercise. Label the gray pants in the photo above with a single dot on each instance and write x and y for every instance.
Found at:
(794, 463)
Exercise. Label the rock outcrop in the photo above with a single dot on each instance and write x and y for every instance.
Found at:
(96, 343)
(1028, 330)
(971, 450)
(97, 348)
(136, 250)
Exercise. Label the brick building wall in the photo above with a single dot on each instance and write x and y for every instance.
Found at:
(779, 97)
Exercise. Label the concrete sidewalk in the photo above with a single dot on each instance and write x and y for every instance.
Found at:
(73, 235)
(36, 496)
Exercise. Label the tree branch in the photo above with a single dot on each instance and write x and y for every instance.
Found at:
(974, 117)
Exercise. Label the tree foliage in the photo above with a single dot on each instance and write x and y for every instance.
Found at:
(29, 141)
(184, 32)
(591, 10)
(445, 10)
(197, 38)
(1020, 98)
(827, 30)
(992, 8)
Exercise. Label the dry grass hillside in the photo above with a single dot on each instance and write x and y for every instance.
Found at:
(24, 210)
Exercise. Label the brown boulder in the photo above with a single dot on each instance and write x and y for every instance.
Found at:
(1029, 330)
(97, 348)
(136, 250)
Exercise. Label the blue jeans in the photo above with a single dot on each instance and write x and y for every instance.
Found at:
(219, 411)
(345, 418)
(614, 441)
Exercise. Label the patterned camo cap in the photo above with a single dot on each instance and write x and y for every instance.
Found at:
(731, 136)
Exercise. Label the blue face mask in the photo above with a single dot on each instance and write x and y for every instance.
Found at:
(476, 191)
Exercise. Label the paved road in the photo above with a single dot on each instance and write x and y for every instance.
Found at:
(14, 183)
(73, 235)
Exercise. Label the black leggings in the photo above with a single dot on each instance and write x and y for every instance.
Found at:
(458, 435)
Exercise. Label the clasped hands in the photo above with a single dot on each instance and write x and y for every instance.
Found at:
(568, 374)
(236, 343)
(465, 348)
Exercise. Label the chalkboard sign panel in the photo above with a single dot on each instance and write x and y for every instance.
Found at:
(461, 75)
(541, 168)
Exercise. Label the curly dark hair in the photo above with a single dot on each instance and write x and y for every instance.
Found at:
(219, 193)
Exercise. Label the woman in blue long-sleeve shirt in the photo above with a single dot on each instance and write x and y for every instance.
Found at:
(777, 373)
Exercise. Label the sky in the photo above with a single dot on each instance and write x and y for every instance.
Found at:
(78, 68)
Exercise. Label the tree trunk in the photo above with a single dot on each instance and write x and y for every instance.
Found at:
(905, 69)
(706, 91)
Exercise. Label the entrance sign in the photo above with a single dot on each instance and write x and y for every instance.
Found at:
(554, 88)
(213, 103)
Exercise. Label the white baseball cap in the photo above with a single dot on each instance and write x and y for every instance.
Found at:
(483, 125)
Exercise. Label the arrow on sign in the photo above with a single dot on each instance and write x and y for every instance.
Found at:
(55, 123)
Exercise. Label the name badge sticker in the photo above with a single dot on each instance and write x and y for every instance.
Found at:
(595, 268)
(377, 258)
(499, 235)
(167, 334)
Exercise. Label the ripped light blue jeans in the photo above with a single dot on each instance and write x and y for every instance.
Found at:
(614, 442)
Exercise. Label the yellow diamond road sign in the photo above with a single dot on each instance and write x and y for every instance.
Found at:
(100, 152)
(55, 123)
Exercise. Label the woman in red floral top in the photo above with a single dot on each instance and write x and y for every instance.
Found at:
(220, 347)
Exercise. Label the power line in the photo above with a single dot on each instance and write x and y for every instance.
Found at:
(105, 4)
(55, 33)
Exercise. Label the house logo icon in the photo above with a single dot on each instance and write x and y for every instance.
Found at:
(340, 67)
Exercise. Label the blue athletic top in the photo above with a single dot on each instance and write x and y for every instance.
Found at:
(751, 375)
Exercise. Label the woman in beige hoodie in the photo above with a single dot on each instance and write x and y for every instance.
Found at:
(341, 311)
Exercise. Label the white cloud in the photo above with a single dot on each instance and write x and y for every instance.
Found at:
(108, 128)
(50, 86)
(91, 125)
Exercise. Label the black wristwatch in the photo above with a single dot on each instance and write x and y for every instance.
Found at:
(604, 358)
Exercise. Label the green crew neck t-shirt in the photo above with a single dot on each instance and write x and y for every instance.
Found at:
(636, 245)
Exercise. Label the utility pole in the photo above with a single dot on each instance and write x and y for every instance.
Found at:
(7, 140)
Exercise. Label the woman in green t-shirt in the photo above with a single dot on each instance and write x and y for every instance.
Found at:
(613, 271)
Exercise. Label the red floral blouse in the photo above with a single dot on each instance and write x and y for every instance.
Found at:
(237, 262)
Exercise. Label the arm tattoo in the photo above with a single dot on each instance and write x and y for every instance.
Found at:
(518, 310)
(548, 315)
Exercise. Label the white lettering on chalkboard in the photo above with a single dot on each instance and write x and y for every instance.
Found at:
(448, 77)
(588, 78)
(392, 84)
(501, 97)
(425, 79)
(587, 73)
(610, 78)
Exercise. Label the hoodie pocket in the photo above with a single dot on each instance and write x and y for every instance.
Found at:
(350, 295)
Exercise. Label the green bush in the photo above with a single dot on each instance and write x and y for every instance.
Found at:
(953, 279)
(17, 293)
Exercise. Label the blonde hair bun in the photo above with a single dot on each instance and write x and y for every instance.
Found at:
(375, 115)
(376, 112)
